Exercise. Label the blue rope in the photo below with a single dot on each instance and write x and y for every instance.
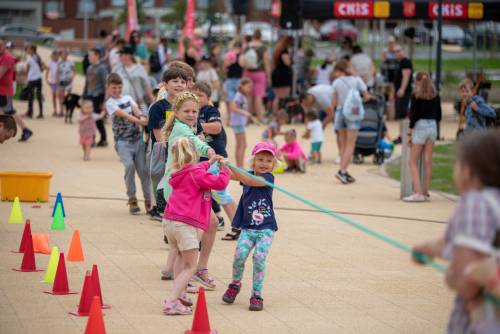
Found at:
(388, 240)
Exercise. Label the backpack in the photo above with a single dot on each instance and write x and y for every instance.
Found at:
(251, 57)
(154, 62)
(353, 109)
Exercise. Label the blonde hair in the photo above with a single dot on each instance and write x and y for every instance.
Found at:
(467, 84)
(425, 88)
(183, 153)
(179, 100)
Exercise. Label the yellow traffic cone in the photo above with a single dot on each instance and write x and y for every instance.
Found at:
(50, 274)
(16, 214)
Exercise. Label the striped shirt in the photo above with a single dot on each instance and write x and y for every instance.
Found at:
(474, 225)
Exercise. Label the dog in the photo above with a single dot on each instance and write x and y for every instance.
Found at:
(71, 101)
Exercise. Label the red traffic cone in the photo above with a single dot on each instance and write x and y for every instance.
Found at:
(95, 324)
(97, 286)
(60, 286)
(28, 264)
(88, 293)
(27, 230)
(201, 324)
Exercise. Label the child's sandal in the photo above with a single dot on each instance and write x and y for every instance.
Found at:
(232, 236)
(185, 300)
(176, 308)
(204, 278)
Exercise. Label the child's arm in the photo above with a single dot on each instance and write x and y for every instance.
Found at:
(138, 113)
(208, 180)
(131, 118)
(431, 249)
(234, 108)
(245, 179)
(213, 128)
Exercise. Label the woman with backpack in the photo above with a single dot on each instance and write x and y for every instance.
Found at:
(348, 112)
(282, 76)
(255, 62)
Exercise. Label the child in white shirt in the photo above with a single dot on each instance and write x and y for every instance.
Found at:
(314, 130)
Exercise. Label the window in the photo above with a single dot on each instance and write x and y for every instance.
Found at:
(263, 4)
(121, 3)
(54, 9)
(86, 5)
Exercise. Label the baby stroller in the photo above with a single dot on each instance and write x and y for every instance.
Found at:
(371, 132)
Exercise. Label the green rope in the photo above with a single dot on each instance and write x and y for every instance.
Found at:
(388, 240)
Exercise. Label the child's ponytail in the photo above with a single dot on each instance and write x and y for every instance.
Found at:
(183, 153)
(179, 100)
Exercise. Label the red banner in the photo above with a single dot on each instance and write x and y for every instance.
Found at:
(352, 9)
(450, 10)
(409, 9)
(188, 28)
(132, 21)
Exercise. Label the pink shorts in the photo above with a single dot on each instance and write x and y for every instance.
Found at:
(86, 140)
(259, 82)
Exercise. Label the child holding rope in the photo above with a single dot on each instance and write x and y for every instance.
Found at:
(187, 214)
(255, 218)
(473, 231)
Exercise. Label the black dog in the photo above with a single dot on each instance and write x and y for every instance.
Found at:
(71, 101)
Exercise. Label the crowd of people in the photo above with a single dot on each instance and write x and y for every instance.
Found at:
(168, 128)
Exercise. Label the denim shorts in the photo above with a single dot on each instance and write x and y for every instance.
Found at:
(231, 87)
(425, 130)
(238, 129)
(341, 122)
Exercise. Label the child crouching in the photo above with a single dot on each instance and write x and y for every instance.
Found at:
(293, 153)
(187, 214)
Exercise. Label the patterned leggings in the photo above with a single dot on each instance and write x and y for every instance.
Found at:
(261, 240)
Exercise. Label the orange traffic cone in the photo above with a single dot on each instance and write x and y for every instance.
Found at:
(88, 294)
(95, 324)
(41, 243)
(75, 253)
(201, 324)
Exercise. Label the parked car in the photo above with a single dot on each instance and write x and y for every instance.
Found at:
(455, 35)
(222, 27)
(337, 30)
(269, 34)
(27, 33)
(422, 34)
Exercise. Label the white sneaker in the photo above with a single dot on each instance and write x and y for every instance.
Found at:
(337, 160)
(414, 198)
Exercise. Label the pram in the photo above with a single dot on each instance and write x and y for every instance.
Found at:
(371, 132)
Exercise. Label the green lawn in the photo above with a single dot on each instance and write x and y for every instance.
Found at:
(442, 169)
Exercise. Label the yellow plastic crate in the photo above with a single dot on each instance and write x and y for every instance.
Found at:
(28, 186)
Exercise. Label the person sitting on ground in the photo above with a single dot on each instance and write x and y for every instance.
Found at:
(8, 128)
(293, 153)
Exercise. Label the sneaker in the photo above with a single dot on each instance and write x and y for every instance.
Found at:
(176, 308)
(415, 198)
(167, 275)
(205, 279)
(350, 179)
(342, 177)
(231, 293)
(133, 208)
(256, 303)
(337, 160)
(220, 225)
(102, 143)
(427, 197)
(302, 166)
(155, 215)
(26, 134)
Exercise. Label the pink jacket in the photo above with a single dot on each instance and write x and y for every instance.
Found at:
(191, 198)
(292, 151)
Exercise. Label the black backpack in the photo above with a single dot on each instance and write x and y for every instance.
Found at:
(154, 62)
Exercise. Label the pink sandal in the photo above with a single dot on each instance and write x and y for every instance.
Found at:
(176, 308)
(205, 279)
(185, 300)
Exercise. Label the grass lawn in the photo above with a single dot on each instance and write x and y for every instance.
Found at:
(442, 169)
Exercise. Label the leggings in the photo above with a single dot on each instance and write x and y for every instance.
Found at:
(261, 240)
(35, 88)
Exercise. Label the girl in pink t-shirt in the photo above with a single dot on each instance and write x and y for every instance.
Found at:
(87, 128)
(293, 153)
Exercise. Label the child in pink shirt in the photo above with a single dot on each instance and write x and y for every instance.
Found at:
(293, 153)
(87, 127)
(187, 215)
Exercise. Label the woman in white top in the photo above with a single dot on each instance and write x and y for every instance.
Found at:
(324, 72)
(347, 130)
(52, 79)
(34, 67)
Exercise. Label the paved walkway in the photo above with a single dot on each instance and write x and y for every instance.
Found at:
(323, 276)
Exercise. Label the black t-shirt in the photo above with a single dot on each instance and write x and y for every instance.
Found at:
(424, 109)
(218, 142)
(235, 71)
(405, 63)
(158, 116)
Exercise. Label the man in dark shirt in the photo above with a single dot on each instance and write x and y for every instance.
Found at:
(402, 86)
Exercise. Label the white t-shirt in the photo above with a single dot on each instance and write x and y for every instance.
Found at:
(208, 76)
(324, 75)
(124, 102)
(114, 58)
(53, 72)
(65, 70)
(316, 129)
(323, 95)
(342, 86)
(34, 72)
(122, 128)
